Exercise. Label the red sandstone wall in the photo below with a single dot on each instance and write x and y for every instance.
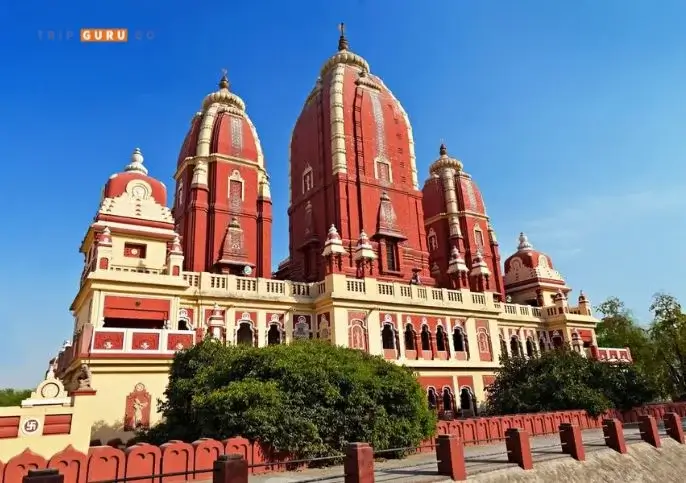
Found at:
(109, 462)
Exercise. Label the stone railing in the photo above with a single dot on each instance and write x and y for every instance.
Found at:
(611, 354)
(261, 288)
(140, 341)
(368, 289)
(132, 269)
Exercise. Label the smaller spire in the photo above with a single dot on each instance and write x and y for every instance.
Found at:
(342, 41)
(136, 163)
(443, 151)
(524, 242)
(224, 81)
(176, 244)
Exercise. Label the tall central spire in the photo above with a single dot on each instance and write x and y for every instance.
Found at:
(342, 41)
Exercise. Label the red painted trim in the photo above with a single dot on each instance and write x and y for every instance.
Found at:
(127, 355)
(83, 392)
(535, 281)
(134, 221)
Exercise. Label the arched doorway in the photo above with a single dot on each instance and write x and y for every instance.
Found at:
(245, 334)
(388, 337)
(410, 338)
(432, 398)
(515, 348)
(426, 338)
(274, 335)
(448, 402)
(467, 402)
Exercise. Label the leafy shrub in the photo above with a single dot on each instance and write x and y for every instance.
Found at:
(308, 398)
(563, 380)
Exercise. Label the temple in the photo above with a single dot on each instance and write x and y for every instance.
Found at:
(377, 261)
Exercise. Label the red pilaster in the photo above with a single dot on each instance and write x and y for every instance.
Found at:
(43, 476)
(194, 240)
(264, 238)
(648, 428)
(359, 463)
(450, 457)
(613, 430)
(572, 444)
(674, 426)
(519, 448)
(230, 468)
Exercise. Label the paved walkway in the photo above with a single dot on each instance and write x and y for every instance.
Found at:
(479, 459)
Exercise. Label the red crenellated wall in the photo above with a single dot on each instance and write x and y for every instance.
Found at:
(110, 462)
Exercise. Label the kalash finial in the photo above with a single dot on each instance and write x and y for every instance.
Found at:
(342, 41)
(443, 151)
(224, 82)
(136, 163)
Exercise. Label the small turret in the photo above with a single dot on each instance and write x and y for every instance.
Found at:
(480, 272)
(175, 257)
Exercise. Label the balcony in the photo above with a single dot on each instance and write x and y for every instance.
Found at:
(610, 354)
(140, 341)
(255, 288)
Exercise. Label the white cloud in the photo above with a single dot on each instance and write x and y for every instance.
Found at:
(566, 229)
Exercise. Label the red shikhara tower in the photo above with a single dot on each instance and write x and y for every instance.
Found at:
(223, 207)
(462, 244)
(352, 167)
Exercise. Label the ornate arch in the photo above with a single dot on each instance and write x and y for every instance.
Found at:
(357, 335)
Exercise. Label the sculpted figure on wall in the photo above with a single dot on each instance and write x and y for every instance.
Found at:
(137, 411)
(84, 377)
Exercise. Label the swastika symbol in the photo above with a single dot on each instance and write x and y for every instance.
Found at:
(31, 425)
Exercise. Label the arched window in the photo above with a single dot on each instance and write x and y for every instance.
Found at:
(236, 191)
(503, 347)
(558, 341)
(479, 237)
(426, 338)
(184, 324)
(447, 399)
(484, 345)
(530, 347)
(244, 334)
(432, 398)
(388, 336)
(308, 179)
(410, 338)
(515, 349)
(466, 399)
(440, 339)
(577, 344)
(433, 240)
(383, 170)
(274, 335)
(459, 340)
(542, 344)
(179, 193)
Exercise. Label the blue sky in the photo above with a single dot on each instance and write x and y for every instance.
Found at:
(570, 115)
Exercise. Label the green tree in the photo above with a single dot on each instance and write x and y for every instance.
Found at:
(619, 328)
(668, 331)
(13, 397)
(564, 380)
(306, 398)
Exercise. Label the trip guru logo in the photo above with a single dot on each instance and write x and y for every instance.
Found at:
(96, 35)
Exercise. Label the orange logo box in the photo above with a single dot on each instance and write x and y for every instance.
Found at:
(104, 35)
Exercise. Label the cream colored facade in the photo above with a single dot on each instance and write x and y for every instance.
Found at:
(191, 296)
(136, 308)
